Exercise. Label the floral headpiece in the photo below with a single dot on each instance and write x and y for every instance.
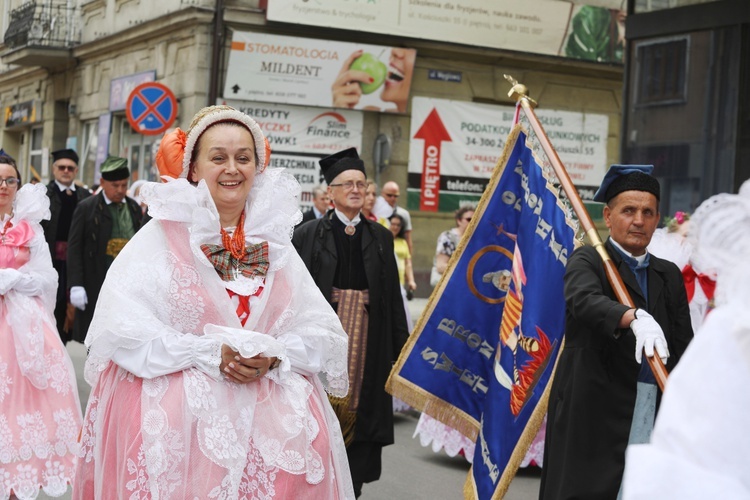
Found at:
(673, 223)
(176, 148)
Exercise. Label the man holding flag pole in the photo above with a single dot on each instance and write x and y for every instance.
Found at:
(603, 397)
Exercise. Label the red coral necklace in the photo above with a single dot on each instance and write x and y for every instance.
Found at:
(235, 244)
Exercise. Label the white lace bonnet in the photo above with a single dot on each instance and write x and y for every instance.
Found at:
(176, 148)
(720, 229)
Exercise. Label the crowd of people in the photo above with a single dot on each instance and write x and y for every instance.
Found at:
(228, 333)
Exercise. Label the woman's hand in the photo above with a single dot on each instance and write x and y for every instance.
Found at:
(345, 89)
(243, 370)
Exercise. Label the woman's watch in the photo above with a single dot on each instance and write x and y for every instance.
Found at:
(275, 364)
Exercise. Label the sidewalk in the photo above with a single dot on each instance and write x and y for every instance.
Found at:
(416, 306)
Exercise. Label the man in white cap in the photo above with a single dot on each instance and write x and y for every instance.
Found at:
(604, 395)
(64, 196)
(101, 227)
(351, 260)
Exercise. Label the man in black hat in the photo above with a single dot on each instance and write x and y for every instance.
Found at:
(351, 260)
(64, 196)
(604, 395)
(101, 227)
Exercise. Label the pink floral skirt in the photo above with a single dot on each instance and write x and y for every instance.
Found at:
(115, 463)
(39, 427)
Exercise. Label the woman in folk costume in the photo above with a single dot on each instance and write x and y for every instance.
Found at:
(40, 414)
(700, 445)
(672, 242)
(211, 348)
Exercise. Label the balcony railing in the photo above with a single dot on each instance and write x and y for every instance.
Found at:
(44, 24)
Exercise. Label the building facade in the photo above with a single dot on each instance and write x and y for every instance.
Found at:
(687, 96)
(69, 66)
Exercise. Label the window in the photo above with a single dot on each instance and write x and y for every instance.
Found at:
(89, 144)
(662, 72)
(35, 151)
(642, 6)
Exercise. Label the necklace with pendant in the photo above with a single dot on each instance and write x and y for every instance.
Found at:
(350, 229)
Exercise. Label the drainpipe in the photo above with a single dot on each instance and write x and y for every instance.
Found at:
(624, 139)
(213, 86)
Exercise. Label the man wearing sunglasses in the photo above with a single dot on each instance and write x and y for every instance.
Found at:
(64, 196)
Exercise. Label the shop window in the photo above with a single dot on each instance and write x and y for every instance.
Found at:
(89, 145)
(35, 149)
(662, 72)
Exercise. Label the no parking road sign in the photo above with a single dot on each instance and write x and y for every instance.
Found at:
(151, 108)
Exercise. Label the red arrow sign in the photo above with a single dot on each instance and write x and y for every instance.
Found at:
(433, 132)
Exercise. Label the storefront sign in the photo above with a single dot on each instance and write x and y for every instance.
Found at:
(300, 136)
(551, 27)
(23, 113)
(310, 72)
(455, 146)
(444, 76)
(120, 88)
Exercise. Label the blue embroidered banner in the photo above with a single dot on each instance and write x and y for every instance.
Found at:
(482, 354)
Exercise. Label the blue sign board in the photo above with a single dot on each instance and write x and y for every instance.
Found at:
(151, 108)
(444, 76)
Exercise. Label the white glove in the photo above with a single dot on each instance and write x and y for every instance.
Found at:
(8, 279)
(648, 334)
(78, 297)
(27, 285)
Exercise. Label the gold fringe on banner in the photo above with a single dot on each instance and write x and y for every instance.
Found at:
(522, 446)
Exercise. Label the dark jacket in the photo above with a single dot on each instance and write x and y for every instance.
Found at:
(50, 226)
(593, 394)
(308, 215)
(387, 319)
(87, 252)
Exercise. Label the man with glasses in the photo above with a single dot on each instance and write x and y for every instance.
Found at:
(63, 199)
(351, 260)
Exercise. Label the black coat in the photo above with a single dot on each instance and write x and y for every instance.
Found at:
(50, 226)
(387, 331)
(593, 394)
(88, 262)
(308, 215)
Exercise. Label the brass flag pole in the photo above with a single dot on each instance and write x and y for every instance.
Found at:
(520, 93)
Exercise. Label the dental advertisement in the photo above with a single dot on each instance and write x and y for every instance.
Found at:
(311, 72)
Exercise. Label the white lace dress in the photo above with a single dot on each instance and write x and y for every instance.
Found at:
(40, 413)
(162, 422)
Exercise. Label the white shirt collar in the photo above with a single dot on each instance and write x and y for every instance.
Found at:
(639, 259)
(318, 214)
(343, 218)
(106, 200)
(63, 187)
